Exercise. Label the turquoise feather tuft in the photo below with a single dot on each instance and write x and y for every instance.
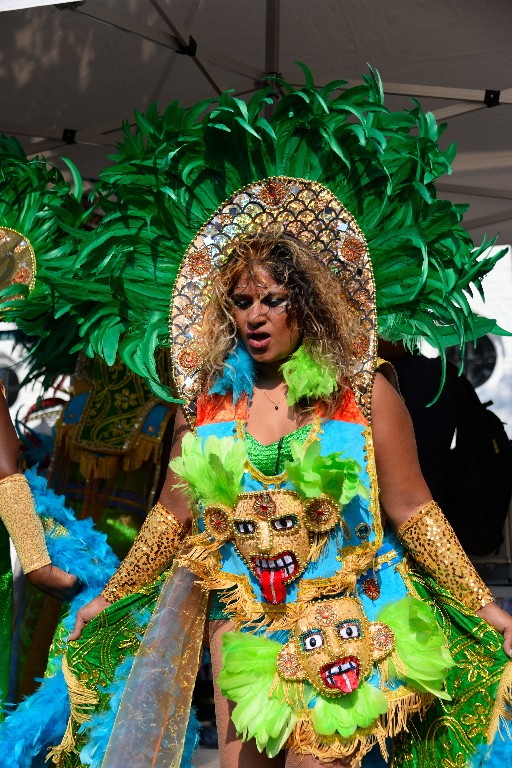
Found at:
(237, 376)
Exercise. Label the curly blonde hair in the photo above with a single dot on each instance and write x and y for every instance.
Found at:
(327, 324)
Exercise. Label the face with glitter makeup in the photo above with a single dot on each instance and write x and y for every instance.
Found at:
(262, 315)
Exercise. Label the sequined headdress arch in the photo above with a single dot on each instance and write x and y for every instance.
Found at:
(184, 183)
(304, 209)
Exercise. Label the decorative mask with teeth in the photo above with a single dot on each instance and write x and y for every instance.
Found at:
(333, 646)
(271, 531)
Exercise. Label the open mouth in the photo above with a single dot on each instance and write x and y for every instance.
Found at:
(273, 573)
(342, 675)
(258, 339)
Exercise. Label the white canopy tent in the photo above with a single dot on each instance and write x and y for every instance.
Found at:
(69, 75)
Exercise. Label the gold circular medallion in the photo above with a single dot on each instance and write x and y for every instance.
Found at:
(17, 261)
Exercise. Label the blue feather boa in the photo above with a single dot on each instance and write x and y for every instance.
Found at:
(40, 720)
(237, 376)
(499, 753)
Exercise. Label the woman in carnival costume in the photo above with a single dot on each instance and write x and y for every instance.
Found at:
(344, 613)
(40, 220)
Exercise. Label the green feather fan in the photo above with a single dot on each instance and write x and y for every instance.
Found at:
(313, 474)
(213, 471)
(174, 170)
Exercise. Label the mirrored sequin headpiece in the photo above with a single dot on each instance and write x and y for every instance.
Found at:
(303, 209)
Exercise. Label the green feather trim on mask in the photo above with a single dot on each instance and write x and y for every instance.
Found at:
(345, 714)
(214, 470)
(247, 678)
(421, 657)
(313, 474)
(307, 379)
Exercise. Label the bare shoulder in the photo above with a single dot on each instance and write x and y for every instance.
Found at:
(387, 403)
(403, 489)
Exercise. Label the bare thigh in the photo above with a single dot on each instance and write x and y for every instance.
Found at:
(293, 760)
(233, 752)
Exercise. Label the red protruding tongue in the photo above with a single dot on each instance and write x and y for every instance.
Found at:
(272, 586)
(346, 682)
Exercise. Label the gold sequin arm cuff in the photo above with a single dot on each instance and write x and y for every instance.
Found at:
(19, 516)
(432, 542)
(158, 540)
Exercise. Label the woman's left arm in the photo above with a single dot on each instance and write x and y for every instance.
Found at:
(407, 502)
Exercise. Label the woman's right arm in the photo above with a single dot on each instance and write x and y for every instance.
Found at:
(157, 542)
(18, 513)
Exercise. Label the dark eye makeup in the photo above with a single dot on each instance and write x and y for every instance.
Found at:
(271, 300)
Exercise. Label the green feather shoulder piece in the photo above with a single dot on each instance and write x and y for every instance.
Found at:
(212, 471)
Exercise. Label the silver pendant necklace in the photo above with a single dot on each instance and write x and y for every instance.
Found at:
(276, 405)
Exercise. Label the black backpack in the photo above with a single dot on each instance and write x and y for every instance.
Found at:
(478, 482)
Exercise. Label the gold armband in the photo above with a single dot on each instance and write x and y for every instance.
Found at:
(158, 540)
(19, 516)
(432, 542)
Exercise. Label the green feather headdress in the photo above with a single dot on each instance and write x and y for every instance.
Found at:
(175, 170)
(37, 203)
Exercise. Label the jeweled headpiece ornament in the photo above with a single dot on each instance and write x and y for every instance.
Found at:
(40, 220)
(333, 166)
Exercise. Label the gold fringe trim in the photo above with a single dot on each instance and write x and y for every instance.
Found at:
(291, 693)
(306, 741)
(401, 708)
(317, 546)
(501, 712)
(82, 700)
(106, 466)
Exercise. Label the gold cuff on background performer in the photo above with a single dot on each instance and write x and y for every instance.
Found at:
(432, 542)
(18, 513)
(158, 540)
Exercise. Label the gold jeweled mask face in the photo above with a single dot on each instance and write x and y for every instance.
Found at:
(333, 646)
(272, 532)
(271, 537)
